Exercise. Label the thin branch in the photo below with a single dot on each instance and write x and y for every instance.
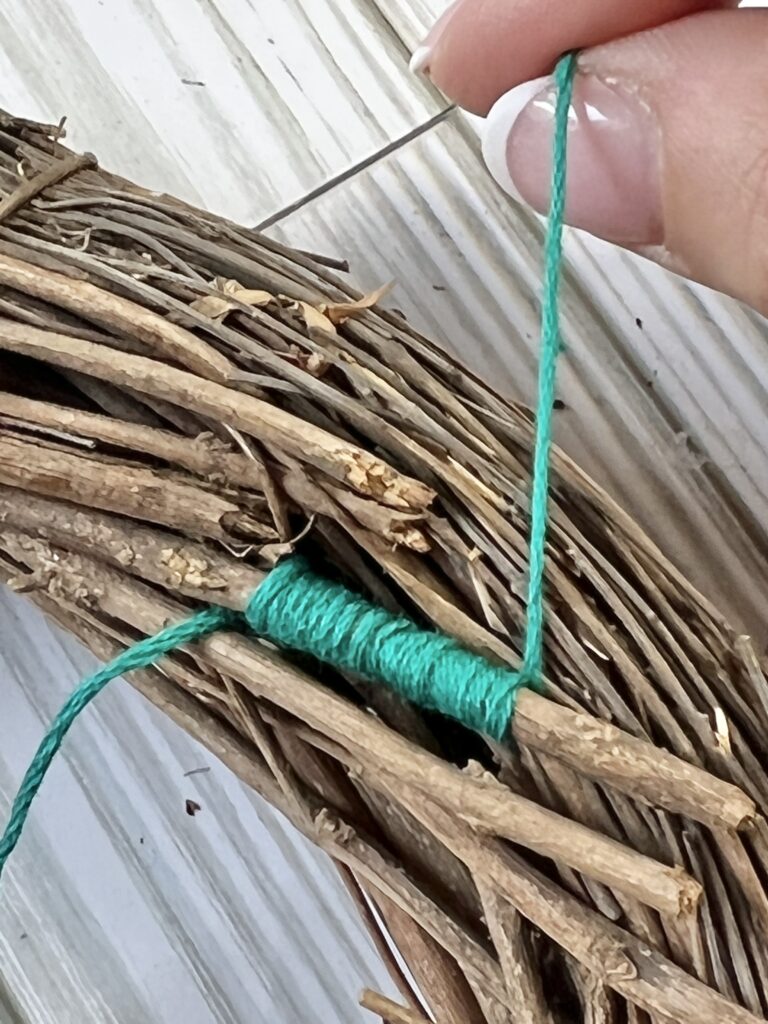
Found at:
(389, 1011)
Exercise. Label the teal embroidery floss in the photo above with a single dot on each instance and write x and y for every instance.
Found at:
(531, 671)
(146, 652)
(304, 612)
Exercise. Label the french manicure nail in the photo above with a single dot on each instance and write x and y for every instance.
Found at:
(423, 53)
(614, 170)
(420, 59)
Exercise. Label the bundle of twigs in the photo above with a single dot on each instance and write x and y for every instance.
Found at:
(183, 402)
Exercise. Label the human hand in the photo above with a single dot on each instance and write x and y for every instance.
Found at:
(668, 142)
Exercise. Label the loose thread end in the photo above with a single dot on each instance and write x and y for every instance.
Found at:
(146, 652)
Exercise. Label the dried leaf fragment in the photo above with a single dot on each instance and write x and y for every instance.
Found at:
(217, 306)
(338, 312)
(312, 316)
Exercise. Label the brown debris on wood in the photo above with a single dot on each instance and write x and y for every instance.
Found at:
(184, 401)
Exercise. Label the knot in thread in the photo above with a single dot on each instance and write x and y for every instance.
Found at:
(300, 610)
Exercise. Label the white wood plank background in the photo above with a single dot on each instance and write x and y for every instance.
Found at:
(228, 917)
(120, 907)
(241, 106)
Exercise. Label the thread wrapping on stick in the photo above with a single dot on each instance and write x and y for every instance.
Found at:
(302, 611)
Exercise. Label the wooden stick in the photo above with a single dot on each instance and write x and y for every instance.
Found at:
(389, 1011)
(650, 978)
(204, 456)
(343, 461)
(597, 1000)
(37, 183)
(341, 839)
(116, 313)
(140, 493)
(329, 831)
(626, 964)
(483, 802)
(450, 996)
(584, 742)
(588, 745)
(441, 944)
(607, 754)
(201, 456)
(200, 571)
(521, 974)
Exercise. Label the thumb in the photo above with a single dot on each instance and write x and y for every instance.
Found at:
(668, 153)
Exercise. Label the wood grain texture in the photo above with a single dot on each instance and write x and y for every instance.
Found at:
(241, 106)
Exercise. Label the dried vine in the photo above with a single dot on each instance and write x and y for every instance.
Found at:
(183, 401)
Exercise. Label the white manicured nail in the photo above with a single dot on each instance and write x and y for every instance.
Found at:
(420, 59)
(498, 130)
(614, 156)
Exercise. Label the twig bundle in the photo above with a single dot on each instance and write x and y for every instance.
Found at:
(182, 403)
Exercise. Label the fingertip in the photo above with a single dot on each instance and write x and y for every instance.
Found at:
(480, 49)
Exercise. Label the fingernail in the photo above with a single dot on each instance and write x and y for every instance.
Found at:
(614, 157)
(420, 59)
(423, 53)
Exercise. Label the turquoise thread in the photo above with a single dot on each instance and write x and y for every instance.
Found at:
(144, 653)
(531, 670)
(302, 611)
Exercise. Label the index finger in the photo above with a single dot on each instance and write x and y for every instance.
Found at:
(480, 49)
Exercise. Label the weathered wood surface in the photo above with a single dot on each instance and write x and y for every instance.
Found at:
(226, 916)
